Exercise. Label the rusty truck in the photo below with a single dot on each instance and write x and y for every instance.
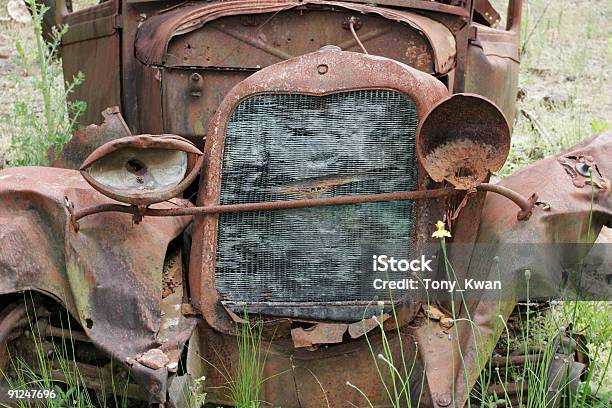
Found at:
(245, 160)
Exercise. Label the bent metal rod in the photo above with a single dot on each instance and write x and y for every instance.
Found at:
(525, 204)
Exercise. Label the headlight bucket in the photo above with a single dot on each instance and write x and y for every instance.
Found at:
(144, 169)
(462, 140)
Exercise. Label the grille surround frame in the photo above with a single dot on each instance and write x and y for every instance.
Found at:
(344, 72)
(285, 147)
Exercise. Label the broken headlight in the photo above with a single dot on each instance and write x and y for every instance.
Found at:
(144, 169)
(462, 140)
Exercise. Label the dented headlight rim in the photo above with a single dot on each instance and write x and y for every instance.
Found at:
(145, 142)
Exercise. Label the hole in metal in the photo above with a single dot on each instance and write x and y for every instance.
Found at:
(136, 167)
(584, 169)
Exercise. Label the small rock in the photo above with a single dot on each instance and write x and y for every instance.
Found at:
(555, 101)
(18, 11)
(446, 322)
(154, 358)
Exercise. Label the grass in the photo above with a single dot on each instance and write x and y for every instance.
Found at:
(245, 377)
(564, 78)
(50, 368)
(397, 387)
(245, 384)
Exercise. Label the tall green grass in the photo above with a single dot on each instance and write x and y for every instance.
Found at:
(394, 373)
(41, 129)
(245, 386)
(243, 378)
(51, 365)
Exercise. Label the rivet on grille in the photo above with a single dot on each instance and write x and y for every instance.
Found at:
(322, 69)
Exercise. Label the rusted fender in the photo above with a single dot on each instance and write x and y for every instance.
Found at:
(562, 217)
(571, 210)
(108, 275)
(154, 35)
(82, 144)
(564, 194)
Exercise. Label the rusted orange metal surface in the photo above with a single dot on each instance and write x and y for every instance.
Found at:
(463, 151)
(317, 73)
(107, 274)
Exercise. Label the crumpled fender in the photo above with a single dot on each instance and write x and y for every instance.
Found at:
(565, 223)
(108, 275)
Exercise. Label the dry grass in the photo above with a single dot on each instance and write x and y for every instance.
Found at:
(564, 80)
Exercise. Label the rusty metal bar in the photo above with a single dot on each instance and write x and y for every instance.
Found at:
(11, 321)
(51, 331)
(510, 389)
(520, 360)
(525, 204)
(267, 206)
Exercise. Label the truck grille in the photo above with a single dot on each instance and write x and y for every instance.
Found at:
(293, 146)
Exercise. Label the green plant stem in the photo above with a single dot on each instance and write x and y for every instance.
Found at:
(41, 56)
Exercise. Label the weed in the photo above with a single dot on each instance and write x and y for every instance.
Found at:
(51, 367)
(245, 388)
(36, 131)
(400, 373)
(197, 396)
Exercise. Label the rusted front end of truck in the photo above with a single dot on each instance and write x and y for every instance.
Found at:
(304, 139)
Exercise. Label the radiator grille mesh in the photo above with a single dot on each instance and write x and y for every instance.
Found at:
(281, 147)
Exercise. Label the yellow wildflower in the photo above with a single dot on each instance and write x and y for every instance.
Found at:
(440, 231)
